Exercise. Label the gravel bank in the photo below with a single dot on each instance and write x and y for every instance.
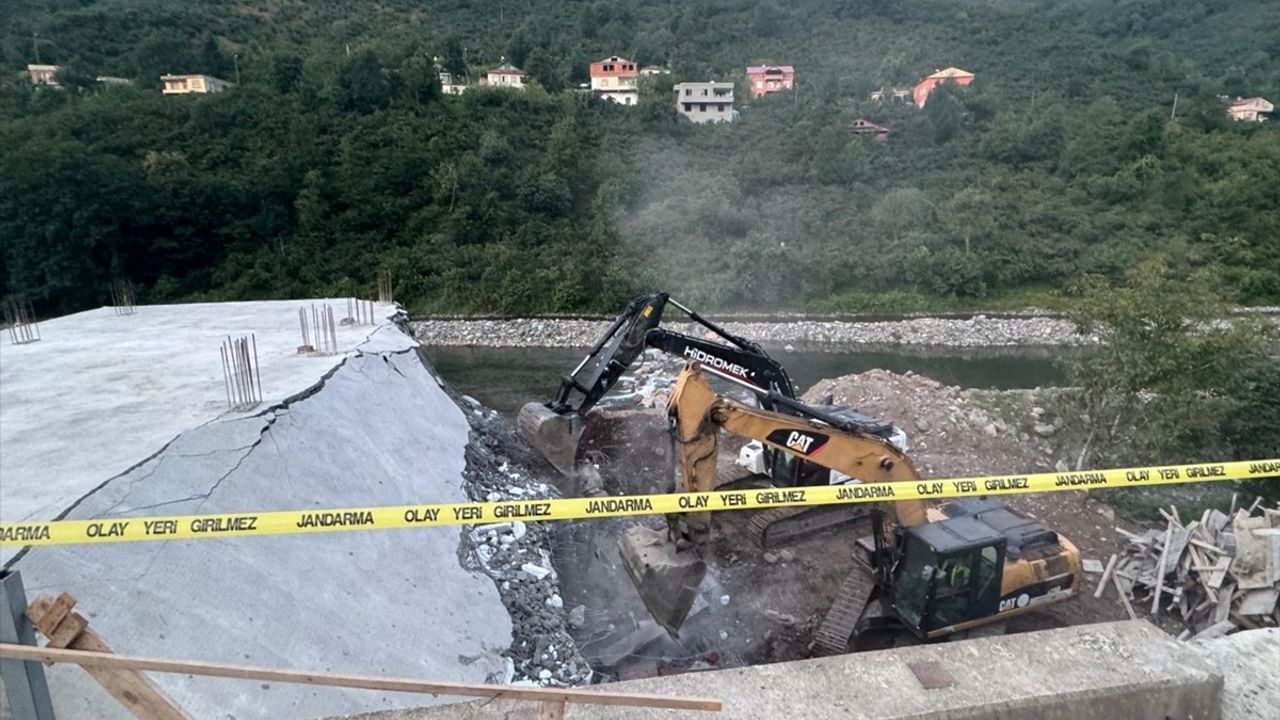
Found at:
(975, 332)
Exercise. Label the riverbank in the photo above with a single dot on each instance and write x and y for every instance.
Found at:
(974, 332)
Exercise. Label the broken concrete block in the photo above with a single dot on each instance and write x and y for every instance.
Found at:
(536, 571)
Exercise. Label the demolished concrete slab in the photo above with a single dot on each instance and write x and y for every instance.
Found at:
(102, 392)
(1112, 670)
(372, 426)
(1250, 664)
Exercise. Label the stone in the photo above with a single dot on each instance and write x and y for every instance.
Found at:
(1044, 430)
(991, 430)
(555, 601)
(1061, 466)
(770, 558)
(724, 599)
(1036, 412)
(544, 675)
(536, 571)
(780, 617)
(786, 555)
(922, 425)
(578, 616)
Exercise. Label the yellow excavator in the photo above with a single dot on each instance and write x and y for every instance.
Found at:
(933, 571)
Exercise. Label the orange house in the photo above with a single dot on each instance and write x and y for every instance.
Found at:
(765, 79)
(926, 86)
(614, 73)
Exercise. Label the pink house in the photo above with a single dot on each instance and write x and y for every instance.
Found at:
(43, 74)
(926, 86)
(765, 79)
(1254, 109)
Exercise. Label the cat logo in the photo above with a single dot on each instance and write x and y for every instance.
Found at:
(799, 441)
(1012, 603)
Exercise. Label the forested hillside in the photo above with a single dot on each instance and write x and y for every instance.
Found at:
(337, 156)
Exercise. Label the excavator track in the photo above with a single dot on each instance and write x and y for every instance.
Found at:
(780, 526)
(832, 636)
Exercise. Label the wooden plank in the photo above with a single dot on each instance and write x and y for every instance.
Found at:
(1132, 536)
(367, 682)
(1124, 597)
(1160, 568)
(131, 688)
(1206, 546)
(46, 613)
(1106, 575)
(1194, 554)
(1175, 544)
(68, 630)
(1258, 602)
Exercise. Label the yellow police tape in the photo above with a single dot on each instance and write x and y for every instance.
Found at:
(287, 522)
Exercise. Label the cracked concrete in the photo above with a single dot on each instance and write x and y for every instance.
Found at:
(373, 428)
(101, 392)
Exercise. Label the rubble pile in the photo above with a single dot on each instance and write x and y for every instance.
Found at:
(517, 556)
(952, 431)
(1217, 574)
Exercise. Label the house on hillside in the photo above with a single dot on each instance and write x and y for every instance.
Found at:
(705, 102)
(765, 79)
(951, 75)
(194, 84)
(449, 86)
(615, 78)
(893, 94)
(653, 70)
(866, 128)
(111, 80)
(505, 75)
(1254, 109)
(43, 74)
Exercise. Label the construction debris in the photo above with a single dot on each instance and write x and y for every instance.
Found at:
(1218, 574)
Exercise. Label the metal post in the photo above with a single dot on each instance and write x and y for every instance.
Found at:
(24, 681)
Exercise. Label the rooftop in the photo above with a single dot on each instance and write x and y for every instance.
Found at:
(506, 69)
(951, 72)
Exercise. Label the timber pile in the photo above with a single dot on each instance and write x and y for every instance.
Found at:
(1219, 573)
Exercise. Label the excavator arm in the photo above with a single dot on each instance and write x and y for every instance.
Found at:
(554, 427)
(668, 571)
(698, 413)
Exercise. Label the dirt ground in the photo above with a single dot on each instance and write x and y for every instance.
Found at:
(756, 611)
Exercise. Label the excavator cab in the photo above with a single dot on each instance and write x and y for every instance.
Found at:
(947, 574)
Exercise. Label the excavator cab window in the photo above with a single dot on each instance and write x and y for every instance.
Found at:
(939, 588)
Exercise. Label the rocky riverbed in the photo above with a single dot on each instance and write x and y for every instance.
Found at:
(975, 332)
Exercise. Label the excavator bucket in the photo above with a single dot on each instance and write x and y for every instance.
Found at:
(666, 578)
(553, 435)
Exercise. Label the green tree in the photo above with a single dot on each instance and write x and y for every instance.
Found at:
(1166, 376)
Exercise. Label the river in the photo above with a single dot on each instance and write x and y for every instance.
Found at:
(507, 378)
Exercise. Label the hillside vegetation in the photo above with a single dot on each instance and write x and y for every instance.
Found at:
(337, 156)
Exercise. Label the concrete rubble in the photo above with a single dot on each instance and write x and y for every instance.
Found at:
(518, 555)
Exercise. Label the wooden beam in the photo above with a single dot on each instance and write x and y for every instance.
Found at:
(367, 682)
(1124, 597)
(1106, 576)
(67, 628)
